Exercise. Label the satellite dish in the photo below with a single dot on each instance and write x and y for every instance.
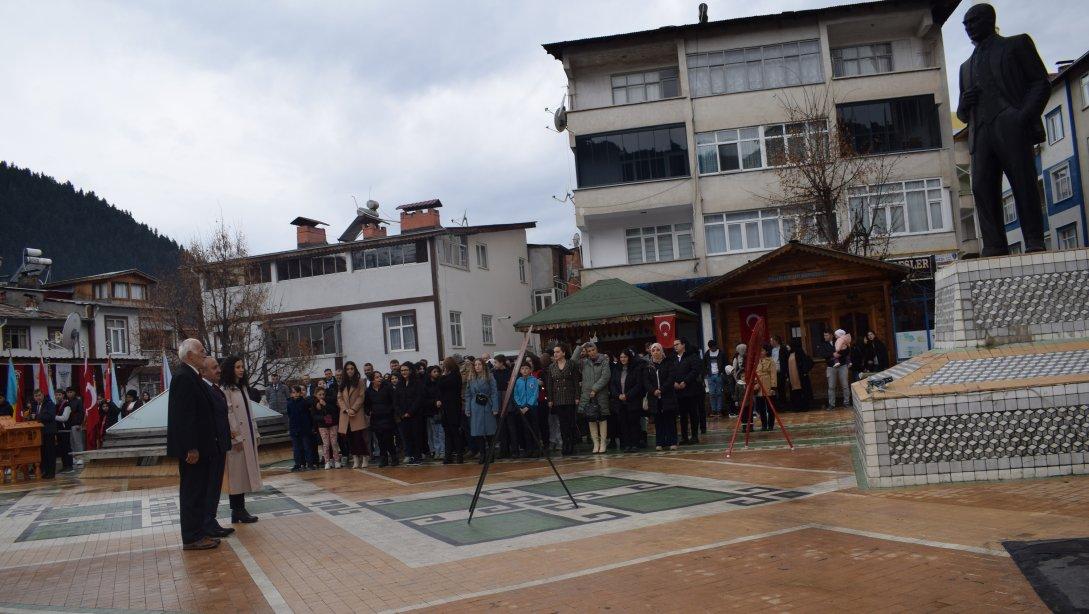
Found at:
(559, 118)
(70, 332)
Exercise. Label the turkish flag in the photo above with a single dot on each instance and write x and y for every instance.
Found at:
(749, 316)
(665, 330)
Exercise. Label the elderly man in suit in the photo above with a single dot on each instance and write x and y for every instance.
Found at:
(210, 374)
(191, 437)
(1004, 88)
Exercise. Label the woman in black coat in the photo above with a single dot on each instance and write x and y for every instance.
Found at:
(378, 404)
(626, 385)
(406, 403)
(449, 408)
(658, 383)
(875, 356)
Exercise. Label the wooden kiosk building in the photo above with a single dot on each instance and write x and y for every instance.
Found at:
(617, 313)
(803, 290)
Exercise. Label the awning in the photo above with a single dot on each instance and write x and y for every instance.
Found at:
(609, 301)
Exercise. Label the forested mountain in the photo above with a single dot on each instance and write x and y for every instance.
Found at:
(81, 232)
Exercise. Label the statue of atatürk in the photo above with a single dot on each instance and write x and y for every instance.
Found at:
(1003, 90)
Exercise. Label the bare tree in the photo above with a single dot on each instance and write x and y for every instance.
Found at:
(819, 168)
(217, 297)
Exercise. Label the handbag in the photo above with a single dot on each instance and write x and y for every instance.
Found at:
(481, 399)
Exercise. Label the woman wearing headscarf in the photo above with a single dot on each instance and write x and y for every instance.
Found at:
(243, 471)
(353, 423)
(661, 397)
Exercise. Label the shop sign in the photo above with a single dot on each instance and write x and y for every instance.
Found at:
(922, 267)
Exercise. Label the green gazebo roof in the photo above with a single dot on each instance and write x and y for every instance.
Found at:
(603, 302)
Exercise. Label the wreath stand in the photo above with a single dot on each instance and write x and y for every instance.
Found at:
(748, 401)
(489, 449)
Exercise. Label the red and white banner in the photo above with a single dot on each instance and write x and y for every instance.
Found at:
(43, 382)
(748, 316)
(665, 330)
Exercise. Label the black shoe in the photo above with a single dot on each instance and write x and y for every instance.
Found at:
(446, 461)
(395, 462)
(242, 516)
(219, 532)
(296, 468)
(695, 441)
(383, 462)
(461, 460)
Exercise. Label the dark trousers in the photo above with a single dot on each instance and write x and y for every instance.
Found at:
(764, 412)
(238, 502)
(302, 448)
(213, 492)
(530, 430)
(49, 456)
(688, 408)
(414, 435)
(568, 427)
(385, 444)
(359, 442)
(510, 440)
(665, 428)
(630, 429)
(1003, 146)
(315, 448)
(64, 448)
(451, 434)
(543, 429)
(193, 497)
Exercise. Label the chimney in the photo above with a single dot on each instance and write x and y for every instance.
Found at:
(373, 230)
(307, 232)
(423, 215)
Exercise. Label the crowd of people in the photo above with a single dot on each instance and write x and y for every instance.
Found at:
(417, 412)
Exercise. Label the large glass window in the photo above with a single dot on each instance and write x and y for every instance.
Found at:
(487, 333)
(400, 331)
(1053, 121)
(754, 68)
(902, 207)
(454, 250)
(481, 256)
(315, 338)
(296, 268)
(755, 147)
(757, 229)
(1061, 188)
(117, 333)
(543, 299)
(884, 126)
(633, 155)
(659, 243)
(1009, 209)
(645, 86)
(456, 339)
(862, 60)
(120, 289)
(1066, 237)
(389, 255)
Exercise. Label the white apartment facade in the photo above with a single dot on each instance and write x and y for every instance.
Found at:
(671, 131)
(428, 292)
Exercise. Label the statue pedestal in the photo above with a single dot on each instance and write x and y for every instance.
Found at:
(1005, 396)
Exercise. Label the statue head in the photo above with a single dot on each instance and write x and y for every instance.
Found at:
(979, 22)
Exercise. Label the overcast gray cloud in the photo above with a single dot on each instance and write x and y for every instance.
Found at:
(261, 111)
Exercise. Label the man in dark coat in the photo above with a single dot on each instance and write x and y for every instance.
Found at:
(1003, 91)
(210, 374)
(688, 384)
(43, 410)
(192, 439)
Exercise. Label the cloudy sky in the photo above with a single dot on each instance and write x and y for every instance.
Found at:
(261, 111)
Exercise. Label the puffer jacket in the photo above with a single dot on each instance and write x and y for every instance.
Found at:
(596, 374)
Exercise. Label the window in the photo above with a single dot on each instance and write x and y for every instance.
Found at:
(296, 268)
(102, 290)
(746, 230)
(862, 60)
(884, 126)
(903, 207)
(968, 224)
(456, 340)
(543, 299)
(522, 270)
(1061, 188)
(389, 255)
(401, 331)
(259, 273)
(1015, 248)
(1053, 121)
(53, 333)
(138, 292)
(16, 338)
(756, 147)
(645, 86)
(481, 256)
(117, 335)
(120, 289)
(1085, 91)
(454, 251)
(632, 155)
(315, 338)
(487, 334)
(1066, 237)
(754, 68)
(659, 243)
(1009, 209)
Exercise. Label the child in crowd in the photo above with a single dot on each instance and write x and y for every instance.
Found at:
(325, 416)
(526, 396)
(843, 344)
(299, 427)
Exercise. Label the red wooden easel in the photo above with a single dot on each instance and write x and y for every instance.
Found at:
(755, 351)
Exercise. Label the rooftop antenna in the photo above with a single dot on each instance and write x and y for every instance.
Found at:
(464, 219)
(567, 198)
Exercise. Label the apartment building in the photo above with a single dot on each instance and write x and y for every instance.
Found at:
(428, 292)
(675, 131)
(1060, 163)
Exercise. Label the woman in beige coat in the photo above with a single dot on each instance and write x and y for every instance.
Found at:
(353, 423)
(243, 472)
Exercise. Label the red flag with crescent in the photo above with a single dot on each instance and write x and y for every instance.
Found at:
(749, 316)
(665, 330)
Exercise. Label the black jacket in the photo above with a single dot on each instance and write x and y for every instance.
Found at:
(77, 415)
(6, 409)
(429, 393)
(688, 369)
(633, 389)
(660, 376)
(875, 356)
(378, 404)
(46, 413)
(190, 423)
(406, 399)
(824, 350)
(449, 393)
(502, 379)
(219, 414)
(721, 360)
